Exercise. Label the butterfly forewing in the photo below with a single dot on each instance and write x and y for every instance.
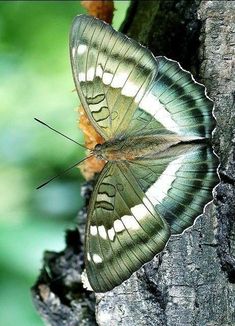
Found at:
(126, 91)
(173, 104)
(111, 72)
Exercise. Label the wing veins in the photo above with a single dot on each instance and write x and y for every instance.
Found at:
(161, 203)
(157, 200)
(98, 50)
(87, 56)
(140, 198)
(103, 257)
(107, 58)
(192, 179)
(139, 74)
(139, 225)
(116, 271)
(117, 260)
(173, 84)
(116, 234)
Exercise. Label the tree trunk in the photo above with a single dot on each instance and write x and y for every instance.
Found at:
(192, 281)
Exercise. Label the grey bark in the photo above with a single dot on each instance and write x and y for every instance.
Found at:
(192, 281)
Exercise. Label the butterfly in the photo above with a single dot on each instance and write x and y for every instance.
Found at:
(156, 121)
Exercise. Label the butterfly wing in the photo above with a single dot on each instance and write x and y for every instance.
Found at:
(123, 232)
(176, 102)
(126, 91)
(178, 182)
(167, 193)
(109, 71)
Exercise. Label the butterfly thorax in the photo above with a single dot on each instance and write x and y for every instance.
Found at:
(133, 148)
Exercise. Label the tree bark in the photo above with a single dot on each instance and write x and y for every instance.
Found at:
(192, 281)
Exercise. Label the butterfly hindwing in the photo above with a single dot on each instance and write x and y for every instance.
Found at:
(124, 231)
(178, 182)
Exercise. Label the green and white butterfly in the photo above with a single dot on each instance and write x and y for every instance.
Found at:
(160, 168)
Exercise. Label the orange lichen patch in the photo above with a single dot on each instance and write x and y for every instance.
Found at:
(100, 9)
(91, 136)
(92, 165)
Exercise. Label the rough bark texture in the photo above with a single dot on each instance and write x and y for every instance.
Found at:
(192, 281)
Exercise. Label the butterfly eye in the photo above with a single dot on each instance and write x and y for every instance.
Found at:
(98, 151)
(98, 147)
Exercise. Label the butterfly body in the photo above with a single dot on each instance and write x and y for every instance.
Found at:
(156, 122)
(140, 147)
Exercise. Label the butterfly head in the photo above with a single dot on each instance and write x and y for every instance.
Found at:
(98, 151)
(108, 151)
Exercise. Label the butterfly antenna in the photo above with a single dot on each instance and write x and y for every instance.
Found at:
(63, 172)
(60, 133)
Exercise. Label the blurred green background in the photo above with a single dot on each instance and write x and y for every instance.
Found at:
(36, 81)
